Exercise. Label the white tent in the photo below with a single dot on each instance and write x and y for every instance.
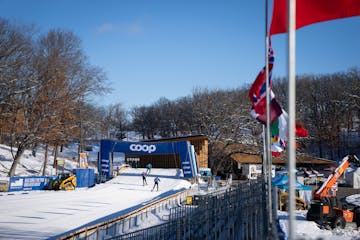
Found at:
(352, 177)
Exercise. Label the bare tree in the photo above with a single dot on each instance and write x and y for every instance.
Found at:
(165, 118)
(15, 55)
(224, 117)
(48, 113)
(121, 121)
(115, 121)
(144, 121)
(184, 116)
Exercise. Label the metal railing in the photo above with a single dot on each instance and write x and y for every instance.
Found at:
(124, 223)
(239, 213)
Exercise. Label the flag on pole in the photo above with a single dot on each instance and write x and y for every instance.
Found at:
(259, 109)
(278, 117)
(311, 11)
(257, 95)
(279, 132)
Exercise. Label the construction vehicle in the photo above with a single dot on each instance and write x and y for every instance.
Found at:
(325, 208)
(68, 183)
(63, 181)
(283, 202)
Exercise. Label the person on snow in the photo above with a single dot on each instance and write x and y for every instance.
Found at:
(156, 183)
(148, 168)
(144, 178)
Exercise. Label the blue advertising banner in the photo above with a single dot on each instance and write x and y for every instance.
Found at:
(181, 148)
(105, 166)
(28, 183)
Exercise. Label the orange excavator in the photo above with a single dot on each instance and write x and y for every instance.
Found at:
(325, 209)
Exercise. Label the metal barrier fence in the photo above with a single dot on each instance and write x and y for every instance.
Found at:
(239, 213)
(125, 223)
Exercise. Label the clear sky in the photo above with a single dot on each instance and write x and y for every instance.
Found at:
(166, 48)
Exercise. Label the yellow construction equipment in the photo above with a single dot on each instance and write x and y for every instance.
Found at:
(69, 183)
(283, 197)
(64, 181)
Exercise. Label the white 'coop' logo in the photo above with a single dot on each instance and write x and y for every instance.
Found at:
(142, 148)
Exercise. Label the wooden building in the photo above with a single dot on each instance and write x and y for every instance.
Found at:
(301, 160)
(244, 155)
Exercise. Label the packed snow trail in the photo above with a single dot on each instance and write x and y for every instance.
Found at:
(45, 214)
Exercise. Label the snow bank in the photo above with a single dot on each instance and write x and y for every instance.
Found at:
(309, 230)
(32, 166)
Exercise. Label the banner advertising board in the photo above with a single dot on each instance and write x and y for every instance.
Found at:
(28, 183)
(182, 148)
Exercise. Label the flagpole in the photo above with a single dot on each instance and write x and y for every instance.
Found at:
(268, 146)
(292, 112)
(264, 159)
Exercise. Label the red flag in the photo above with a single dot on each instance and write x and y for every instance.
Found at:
(300, 131)
(312, 11)
(258, 110)
(257, 95)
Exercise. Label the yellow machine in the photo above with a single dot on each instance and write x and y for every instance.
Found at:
(283, 202)
(69, 183)
(63, 182)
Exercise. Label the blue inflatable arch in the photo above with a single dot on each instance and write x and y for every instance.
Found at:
(183, 148)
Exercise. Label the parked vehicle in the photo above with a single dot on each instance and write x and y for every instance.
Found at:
(324, 207)
(63, 181)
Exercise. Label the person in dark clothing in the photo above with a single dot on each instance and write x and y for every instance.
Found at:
(148, 168)
(144, 178)
(156, 183)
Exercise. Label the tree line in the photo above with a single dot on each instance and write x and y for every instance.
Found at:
(46, 83)
(45, 80)
(328, 106)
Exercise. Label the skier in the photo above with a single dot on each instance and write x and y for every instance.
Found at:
(144, 178)
(148, 168)
(156, 183)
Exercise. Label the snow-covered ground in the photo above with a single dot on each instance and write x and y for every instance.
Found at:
(309, 230)
(44, 214)
(353, 199)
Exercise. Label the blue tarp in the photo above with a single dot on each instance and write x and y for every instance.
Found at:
(281, 181)
(85, 177)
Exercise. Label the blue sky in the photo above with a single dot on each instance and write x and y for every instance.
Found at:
(152, 48)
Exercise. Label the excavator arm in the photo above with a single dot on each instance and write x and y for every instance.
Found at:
(325, 189)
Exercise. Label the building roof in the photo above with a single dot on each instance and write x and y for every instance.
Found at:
(256, 158)
(251, 154)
